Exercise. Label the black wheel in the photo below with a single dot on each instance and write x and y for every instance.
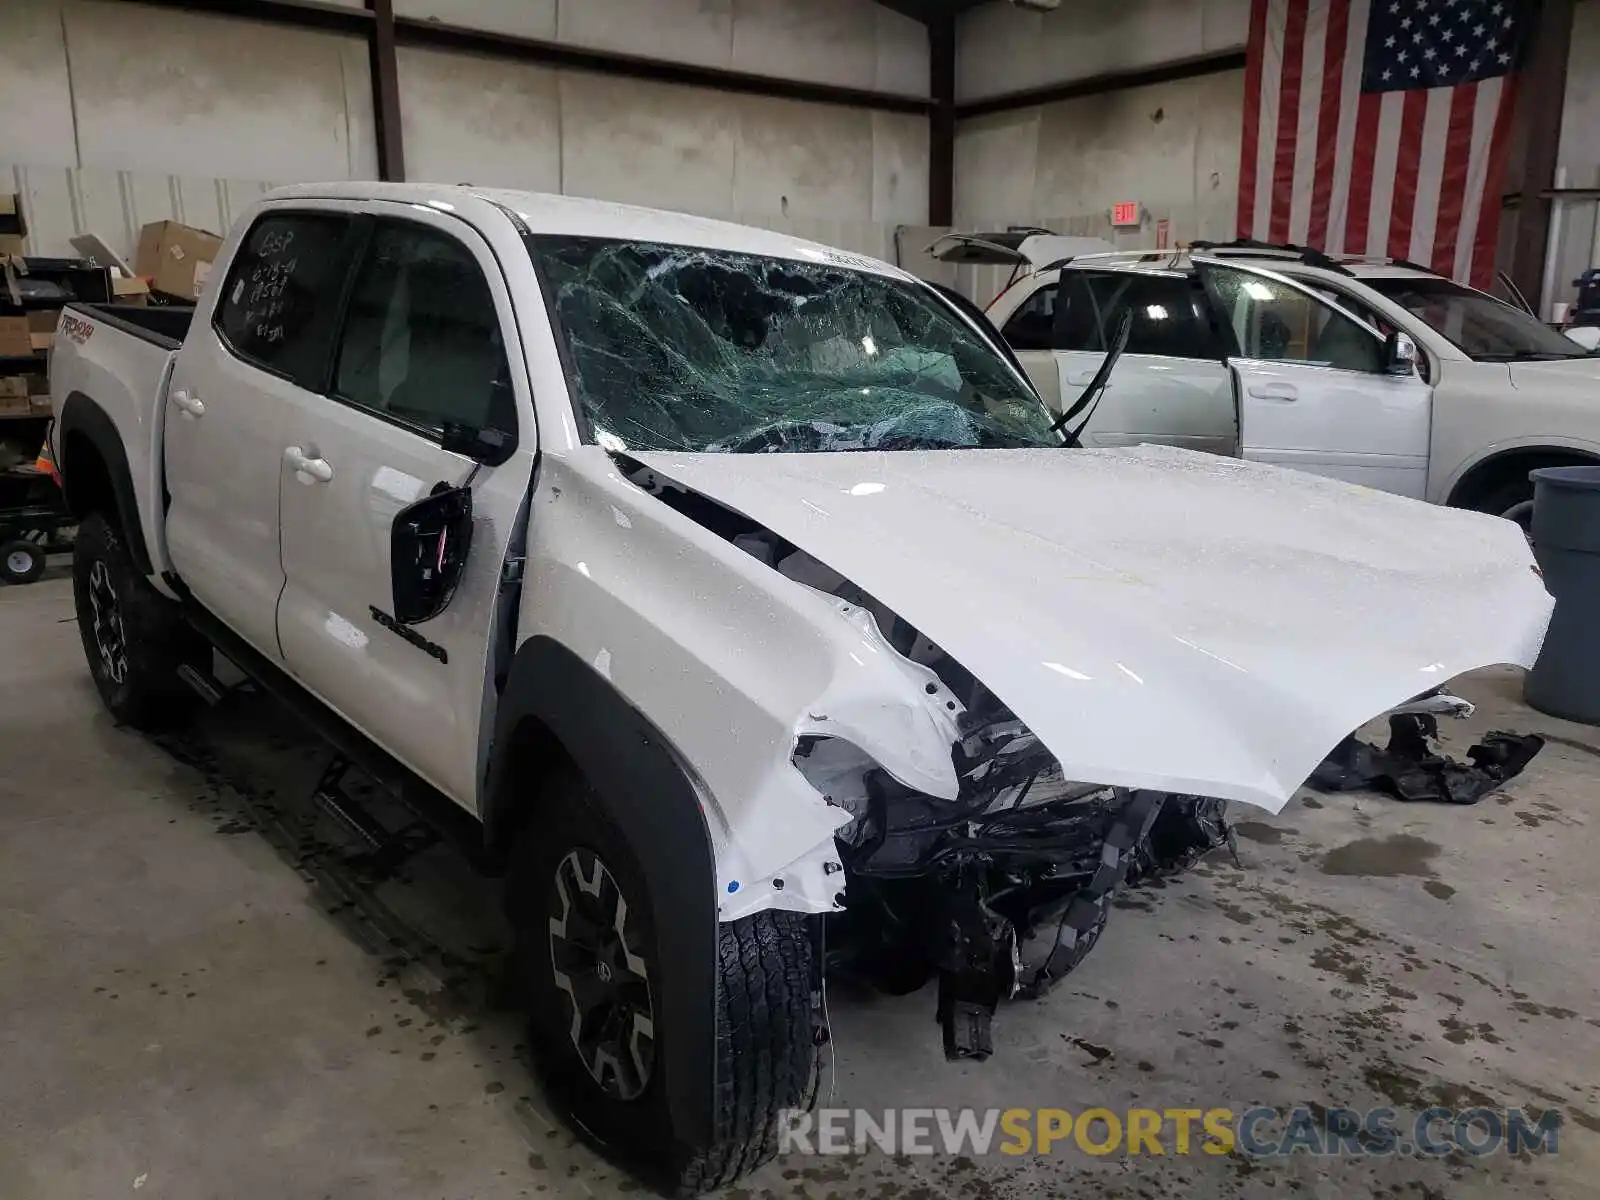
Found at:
(21, 561)
(134, 637)
(1512, 500)
(586, 958)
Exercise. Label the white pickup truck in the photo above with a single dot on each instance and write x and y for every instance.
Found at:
(730, 584)
(1378, 372)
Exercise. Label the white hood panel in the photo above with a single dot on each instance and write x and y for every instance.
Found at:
(1160, 618)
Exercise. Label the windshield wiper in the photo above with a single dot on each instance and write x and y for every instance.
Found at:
(1091, 394)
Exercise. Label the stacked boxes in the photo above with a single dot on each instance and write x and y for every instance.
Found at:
(32, 294)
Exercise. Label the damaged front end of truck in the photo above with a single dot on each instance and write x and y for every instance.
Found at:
(1055, 723)
(966, 855)
(1004, 891)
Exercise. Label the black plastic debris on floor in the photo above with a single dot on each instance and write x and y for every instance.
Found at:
(1411, 768)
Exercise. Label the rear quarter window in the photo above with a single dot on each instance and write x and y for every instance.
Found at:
(279, 304)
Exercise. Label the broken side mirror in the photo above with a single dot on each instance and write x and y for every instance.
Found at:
(1400, 354)
(428, 545)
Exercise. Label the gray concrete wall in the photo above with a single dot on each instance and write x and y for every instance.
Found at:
(114, 114)
(1172, 147)
(852, 43)
(1002, 48)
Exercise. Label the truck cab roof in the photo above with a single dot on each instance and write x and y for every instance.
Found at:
(576, 216)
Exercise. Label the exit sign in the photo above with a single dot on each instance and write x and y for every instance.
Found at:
(1126, 213)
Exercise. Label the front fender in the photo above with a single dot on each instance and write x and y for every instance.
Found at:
(650, 795)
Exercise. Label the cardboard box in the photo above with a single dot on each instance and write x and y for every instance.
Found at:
(12, 220)
(129, 291)
(13, 245)
(39, 403)
(16, 406)
(15, 339)
(43, 320)
(41, 341)
(175, 258)
(14, 387)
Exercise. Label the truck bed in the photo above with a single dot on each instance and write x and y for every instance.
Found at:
(112, 362)
(165, 326)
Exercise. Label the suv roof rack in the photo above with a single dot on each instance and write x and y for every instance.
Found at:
(1304, 254)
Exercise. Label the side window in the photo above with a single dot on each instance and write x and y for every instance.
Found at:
(421, 340)
(1167, 317)
(1277, 323)
(281, 298)
(1030, 326)
(1350, 304)
(1078, 324)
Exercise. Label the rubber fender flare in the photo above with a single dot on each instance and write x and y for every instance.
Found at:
(80, 415)
(653, 798)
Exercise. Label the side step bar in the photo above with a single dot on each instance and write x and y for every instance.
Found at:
(438, 811)
(389, 850)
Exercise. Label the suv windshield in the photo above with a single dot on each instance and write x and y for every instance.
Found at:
(679, 348)
(1480, 325)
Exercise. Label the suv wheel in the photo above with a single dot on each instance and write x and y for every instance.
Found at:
(586, 958)
(134, 638)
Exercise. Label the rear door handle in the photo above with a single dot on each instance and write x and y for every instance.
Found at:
(1275, 391)
(307, 469)
(188, 403)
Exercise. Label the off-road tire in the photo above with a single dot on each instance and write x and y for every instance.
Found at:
(140, 687)
(21, 561)
(766, 1049)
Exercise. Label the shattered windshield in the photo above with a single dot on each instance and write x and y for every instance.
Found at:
(679, 348)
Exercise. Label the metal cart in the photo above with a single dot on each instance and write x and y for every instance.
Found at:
(34, 523)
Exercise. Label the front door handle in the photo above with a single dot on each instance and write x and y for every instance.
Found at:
(306, 468)
(1275, 391)
(188, 403)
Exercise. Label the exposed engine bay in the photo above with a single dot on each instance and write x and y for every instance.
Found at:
(1003, 889)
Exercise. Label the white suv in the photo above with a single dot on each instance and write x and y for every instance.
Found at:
(1288, 356)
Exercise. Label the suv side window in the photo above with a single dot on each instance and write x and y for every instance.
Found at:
(1029, 328)
(421, 343)
(1168, 320)
(281, 298)
(1274, 322)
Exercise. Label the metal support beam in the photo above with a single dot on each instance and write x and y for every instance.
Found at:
(300, 14)
(942, 120)
(1541, 96)
(386, 92)
(439, 36)
(313, 14)
(1188, 68)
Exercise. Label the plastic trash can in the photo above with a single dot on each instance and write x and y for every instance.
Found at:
(1565, 681)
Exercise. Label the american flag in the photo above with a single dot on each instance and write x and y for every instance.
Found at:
(1379, 127)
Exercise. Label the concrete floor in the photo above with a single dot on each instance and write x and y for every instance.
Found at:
(199, 998)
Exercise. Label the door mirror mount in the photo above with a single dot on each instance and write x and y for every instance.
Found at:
(428, 545)
(488, 447)
(1400, 354)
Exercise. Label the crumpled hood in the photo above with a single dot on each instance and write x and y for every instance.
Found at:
(1160, 618)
